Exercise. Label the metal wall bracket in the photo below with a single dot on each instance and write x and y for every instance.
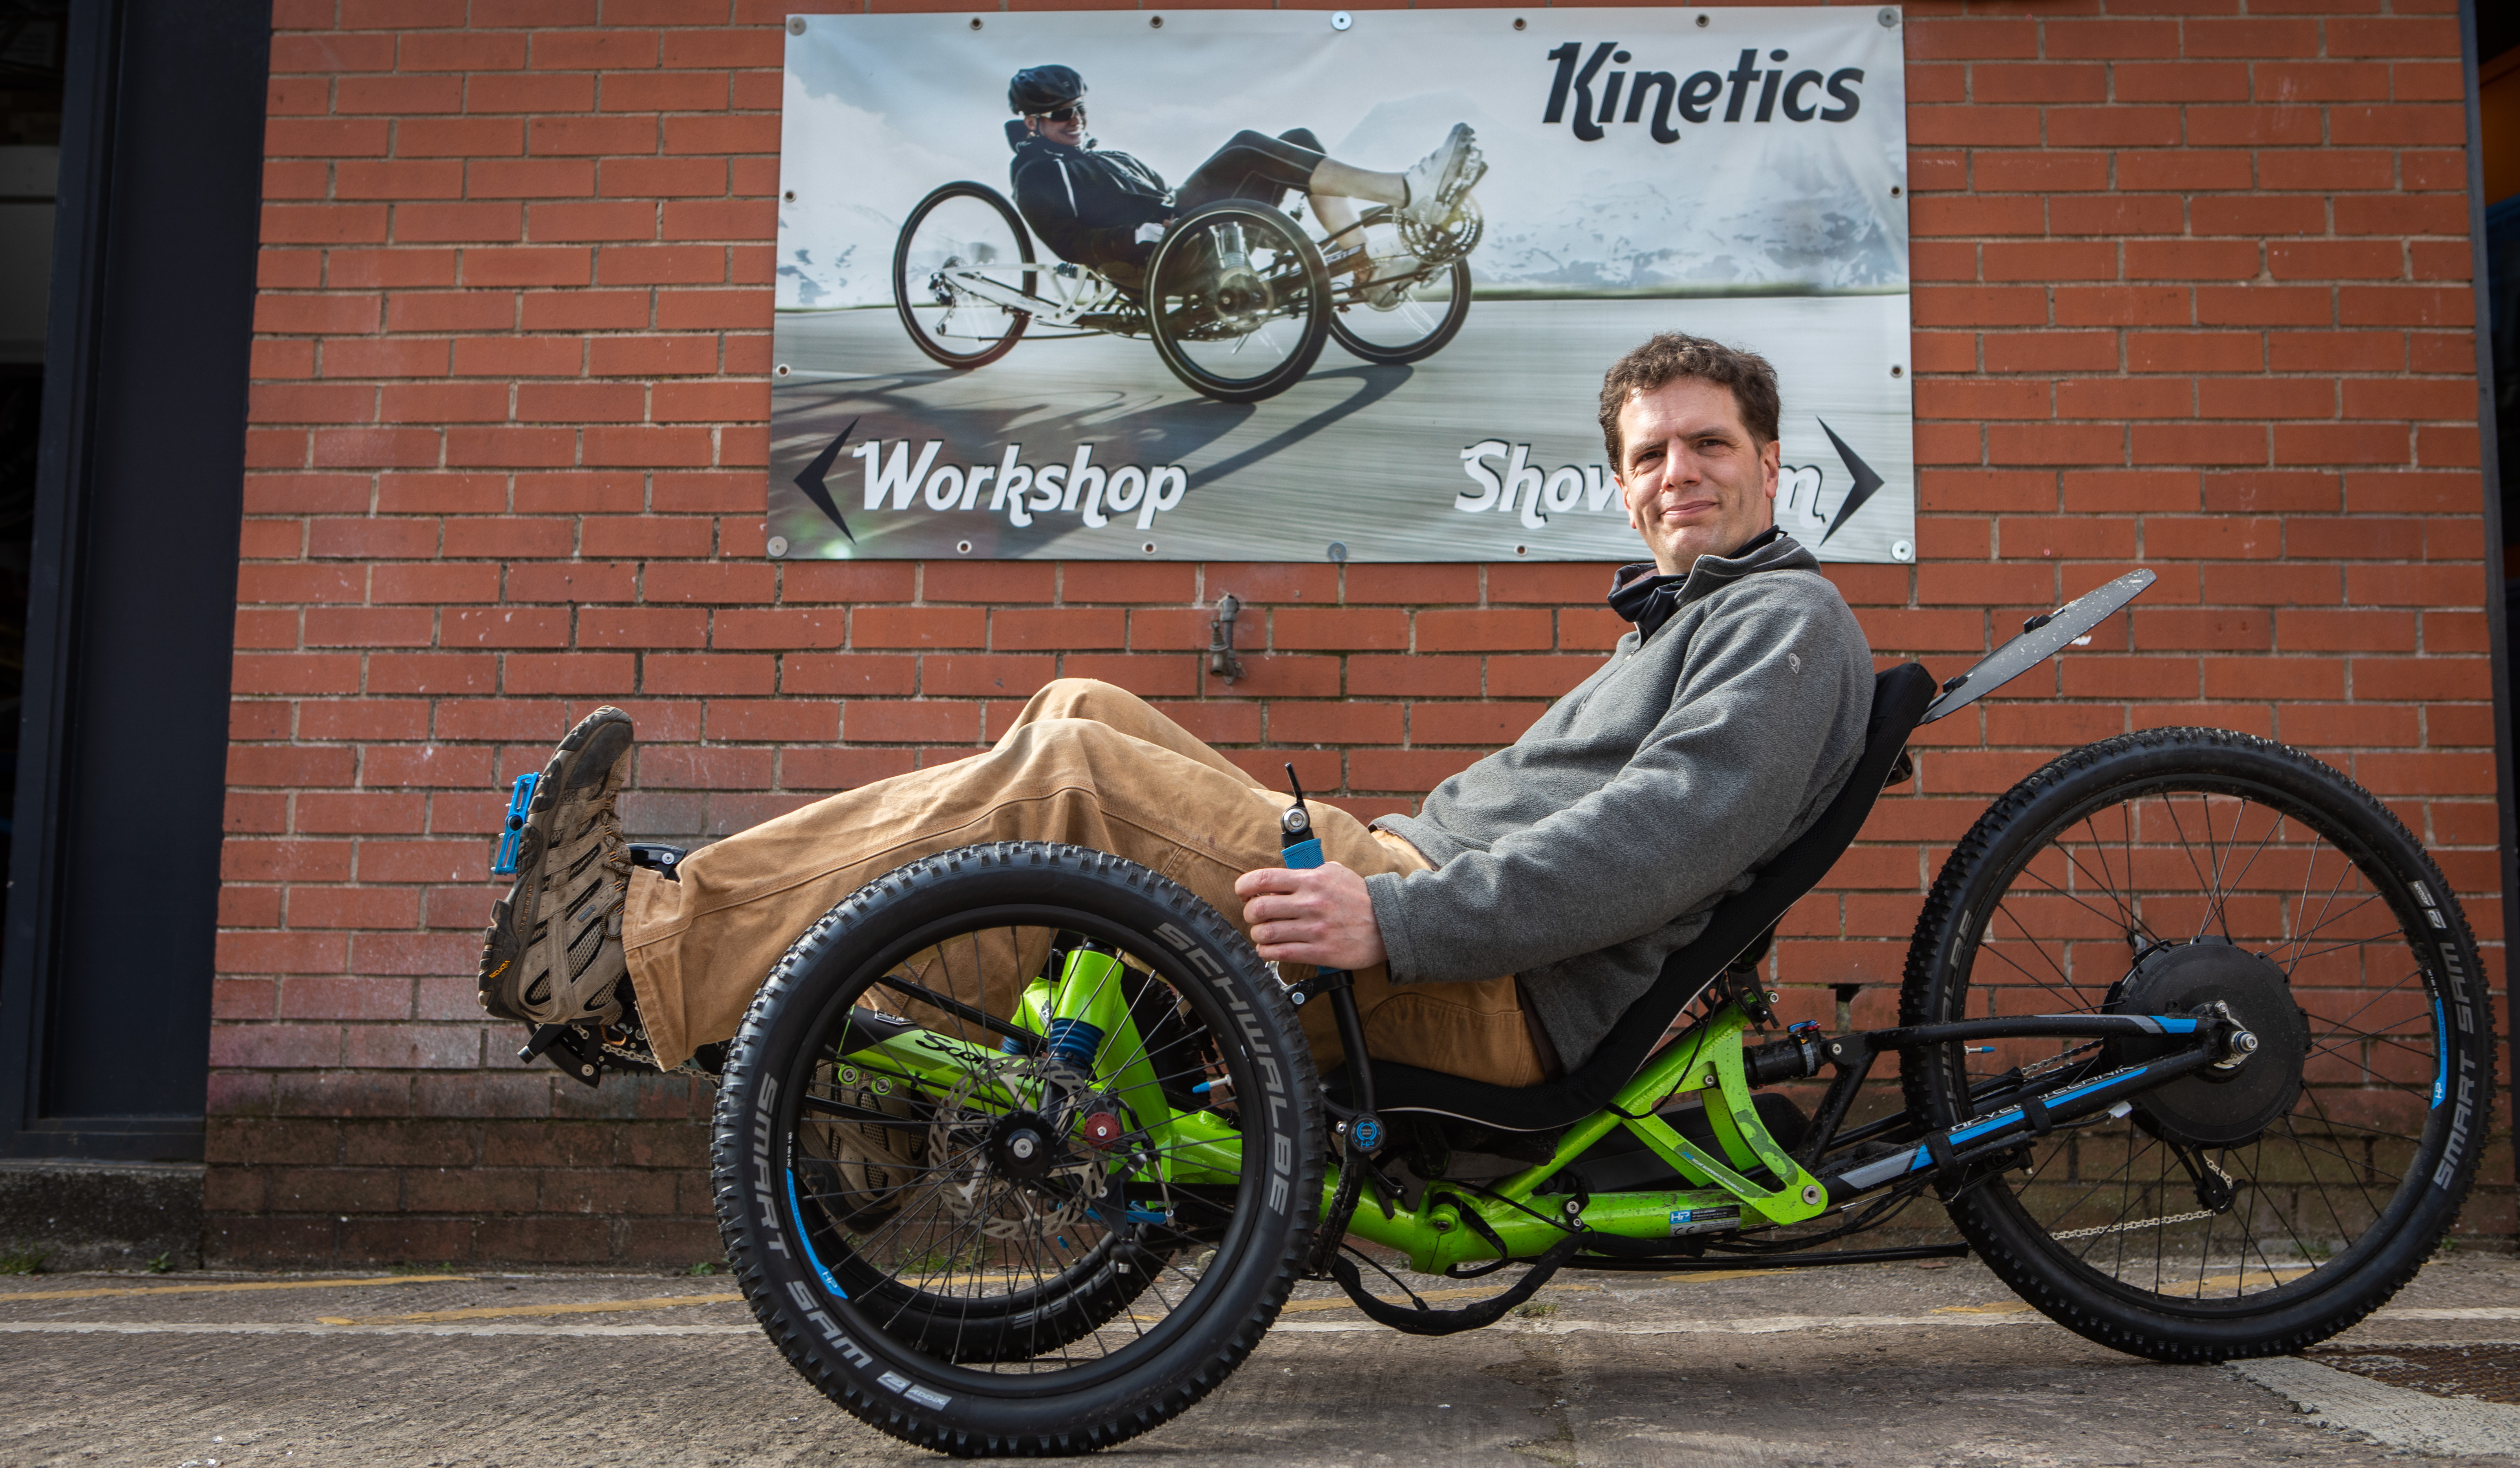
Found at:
(1221, 660)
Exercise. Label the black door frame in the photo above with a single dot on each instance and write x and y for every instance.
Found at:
(2489, 473)
(142, 431)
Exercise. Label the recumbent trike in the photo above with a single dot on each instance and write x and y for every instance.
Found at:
(1236, 298)
(1021, 1148)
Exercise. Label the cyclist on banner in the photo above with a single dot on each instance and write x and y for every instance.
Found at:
(1498, 934)
(1108, 210)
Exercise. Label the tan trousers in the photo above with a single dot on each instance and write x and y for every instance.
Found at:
(1085, 763)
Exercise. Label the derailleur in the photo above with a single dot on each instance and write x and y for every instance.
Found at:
(2215, 1189)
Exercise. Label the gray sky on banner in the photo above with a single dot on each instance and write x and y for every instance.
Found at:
(882, 110)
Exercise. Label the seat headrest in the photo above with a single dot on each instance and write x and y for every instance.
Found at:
(1016, 133)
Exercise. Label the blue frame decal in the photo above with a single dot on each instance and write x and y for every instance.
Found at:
(1925, 1158)
(796, 1215)
(2441, 1049)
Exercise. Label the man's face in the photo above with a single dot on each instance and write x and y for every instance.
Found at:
(1067, 134)
(1694, 481)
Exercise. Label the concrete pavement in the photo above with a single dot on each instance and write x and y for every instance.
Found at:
(1883, 1364)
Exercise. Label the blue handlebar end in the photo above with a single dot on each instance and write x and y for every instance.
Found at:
(1303, 854)
(520, 801)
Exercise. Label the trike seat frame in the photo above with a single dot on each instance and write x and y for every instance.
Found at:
(1738, 925)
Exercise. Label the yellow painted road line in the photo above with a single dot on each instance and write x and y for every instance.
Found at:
(7, 1296)
(1293, 1306)
(510, 1328)
(509, 1311)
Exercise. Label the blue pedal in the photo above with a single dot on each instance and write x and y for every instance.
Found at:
(519, 801)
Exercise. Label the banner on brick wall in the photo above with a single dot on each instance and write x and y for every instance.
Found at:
(1236, 288)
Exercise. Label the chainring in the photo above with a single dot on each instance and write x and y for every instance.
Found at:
(1443, 244)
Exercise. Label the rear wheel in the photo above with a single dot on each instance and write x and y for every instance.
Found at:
(961, 230)
(989, 1230)
(2245, 1213)
(1238, 300)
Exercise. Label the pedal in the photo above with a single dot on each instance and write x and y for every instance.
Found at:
(665, 861)
(520, 801)
(578, 1054)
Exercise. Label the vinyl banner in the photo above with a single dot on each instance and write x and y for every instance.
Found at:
(1251, 295)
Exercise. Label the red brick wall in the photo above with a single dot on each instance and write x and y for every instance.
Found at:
(2192, 291)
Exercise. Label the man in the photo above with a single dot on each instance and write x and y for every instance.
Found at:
(1499, 934)
(1109, 210)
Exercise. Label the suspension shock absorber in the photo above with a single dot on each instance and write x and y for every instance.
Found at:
(1086, 1004)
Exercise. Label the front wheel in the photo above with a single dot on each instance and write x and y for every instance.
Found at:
(1409, 324)
(1238, 301)
(2234, 1213)
(1014, 1152)
(962, 233)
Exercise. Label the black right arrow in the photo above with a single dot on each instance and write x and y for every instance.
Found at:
(1865, 481)
(811, 480)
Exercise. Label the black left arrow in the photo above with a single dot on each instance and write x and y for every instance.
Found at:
(811, 480)
(1865, 481)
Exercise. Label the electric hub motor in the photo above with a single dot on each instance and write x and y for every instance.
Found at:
(2221, 1105)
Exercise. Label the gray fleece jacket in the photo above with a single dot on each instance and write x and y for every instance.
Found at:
(1599, 842)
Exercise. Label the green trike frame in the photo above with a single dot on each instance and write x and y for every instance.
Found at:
(1749, 1180)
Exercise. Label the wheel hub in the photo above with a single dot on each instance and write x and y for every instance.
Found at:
(2229, 1104)
(1242, 300)
(1024, 1147)
(1009, 1174)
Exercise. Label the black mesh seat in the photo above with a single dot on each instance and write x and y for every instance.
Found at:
(1899, 697)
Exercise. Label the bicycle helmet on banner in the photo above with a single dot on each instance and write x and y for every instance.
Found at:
(1038, 89)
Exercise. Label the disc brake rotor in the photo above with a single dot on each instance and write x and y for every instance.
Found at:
(1014, 1181)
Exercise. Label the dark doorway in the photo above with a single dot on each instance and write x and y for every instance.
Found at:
(130, 577)
(34, 43)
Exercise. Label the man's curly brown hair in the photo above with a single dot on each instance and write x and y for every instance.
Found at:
(1673, 355)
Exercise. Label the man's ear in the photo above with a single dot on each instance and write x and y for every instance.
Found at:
(1628, 500)
(1772, 457)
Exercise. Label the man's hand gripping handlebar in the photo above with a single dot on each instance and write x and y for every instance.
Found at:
(1312, 912)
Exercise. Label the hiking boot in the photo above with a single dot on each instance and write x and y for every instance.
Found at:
(1437, 181)
(552, 952)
